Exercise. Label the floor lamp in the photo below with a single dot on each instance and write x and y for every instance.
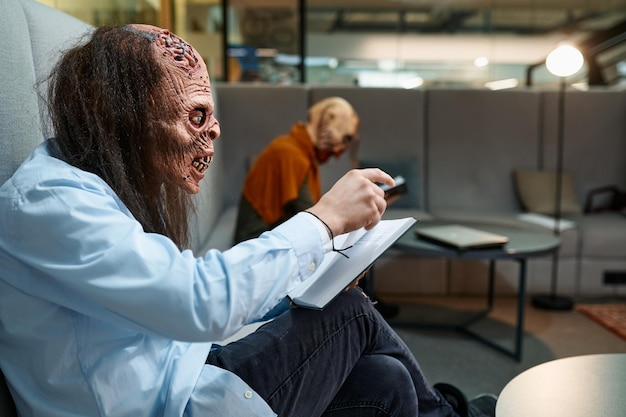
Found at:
(563, 61)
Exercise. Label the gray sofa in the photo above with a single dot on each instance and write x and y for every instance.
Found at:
(464, 146)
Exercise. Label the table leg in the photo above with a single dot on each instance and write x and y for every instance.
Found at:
(521, 304)
(492, 274)
(516, 353)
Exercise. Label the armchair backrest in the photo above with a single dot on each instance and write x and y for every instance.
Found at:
(35, 35)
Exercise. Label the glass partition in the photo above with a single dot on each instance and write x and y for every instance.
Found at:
(201, 23)
(264, 42)
(400, 43)
(111, 12)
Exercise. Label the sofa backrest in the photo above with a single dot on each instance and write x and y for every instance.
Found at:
(35, 34)
(475, 138)
(594, 137)
(250, 117)
(467, 142)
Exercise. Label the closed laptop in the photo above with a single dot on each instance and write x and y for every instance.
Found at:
(461, 237)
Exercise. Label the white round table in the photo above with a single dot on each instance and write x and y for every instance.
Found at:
(580, 386)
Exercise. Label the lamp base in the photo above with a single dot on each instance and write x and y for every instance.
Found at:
(553, 302)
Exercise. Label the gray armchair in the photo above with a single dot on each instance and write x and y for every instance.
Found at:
(35, 35)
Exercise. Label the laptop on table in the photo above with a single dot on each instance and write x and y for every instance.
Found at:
(461, 237)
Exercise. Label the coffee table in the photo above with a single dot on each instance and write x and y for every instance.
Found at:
(588, 385)
(523, 244)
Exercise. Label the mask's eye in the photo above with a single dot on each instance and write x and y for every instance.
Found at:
(197, 117)
(347, 139)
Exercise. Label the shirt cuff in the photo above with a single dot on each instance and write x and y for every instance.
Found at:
(321, 229)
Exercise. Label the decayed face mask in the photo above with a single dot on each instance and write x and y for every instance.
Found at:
(188, 154)
(334, 126)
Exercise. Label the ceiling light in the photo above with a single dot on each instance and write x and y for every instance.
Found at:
(502, 84)
(481, 61)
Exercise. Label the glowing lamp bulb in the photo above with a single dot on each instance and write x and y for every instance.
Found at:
(564, 61)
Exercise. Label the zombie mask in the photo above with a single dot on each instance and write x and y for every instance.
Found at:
(186, 156)
(333, 126)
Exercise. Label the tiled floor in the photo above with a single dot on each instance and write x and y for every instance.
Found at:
(566, 333)
(453, 357)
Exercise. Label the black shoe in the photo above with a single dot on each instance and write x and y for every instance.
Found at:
(484, 405)
(388, 311)
(454, 397)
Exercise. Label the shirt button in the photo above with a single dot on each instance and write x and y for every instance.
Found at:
(311, 266)
(247, 394)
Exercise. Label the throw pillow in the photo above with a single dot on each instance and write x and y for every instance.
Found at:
(537, 192)
(407, 168)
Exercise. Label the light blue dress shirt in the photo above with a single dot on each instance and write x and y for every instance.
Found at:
(99, 318)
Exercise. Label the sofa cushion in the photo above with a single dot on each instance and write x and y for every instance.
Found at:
(603, 235)
(537, 192)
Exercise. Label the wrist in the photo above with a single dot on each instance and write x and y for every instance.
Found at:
(329, 231)
(330, 234)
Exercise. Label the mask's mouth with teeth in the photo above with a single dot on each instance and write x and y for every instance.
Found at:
(201, 164)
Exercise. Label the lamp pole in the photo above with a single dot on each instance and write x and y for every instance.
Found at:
(552, 301)
(563, 61)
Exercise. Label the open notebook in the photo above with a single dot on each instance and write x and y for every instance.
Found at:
(461, 237)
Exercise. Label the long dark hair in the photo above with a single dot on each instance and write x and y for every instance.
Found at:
(109, 110)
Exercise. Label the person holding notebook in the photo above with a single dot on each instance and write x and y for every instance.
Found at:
(104, 312)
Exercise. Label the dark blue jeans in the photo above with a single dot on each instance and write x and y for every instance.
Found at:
(342, 361)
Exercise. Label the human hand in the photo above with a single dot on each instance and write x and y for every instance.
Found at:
(393, 198)
(354, 201)
(355, 283)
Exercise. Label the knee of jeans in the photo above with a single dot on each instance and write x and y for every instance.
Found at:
(394, 383)
(398, 379)
(358, 299)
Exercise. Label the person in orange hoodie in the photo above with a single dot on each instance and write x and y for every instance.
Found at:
(285, 177)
